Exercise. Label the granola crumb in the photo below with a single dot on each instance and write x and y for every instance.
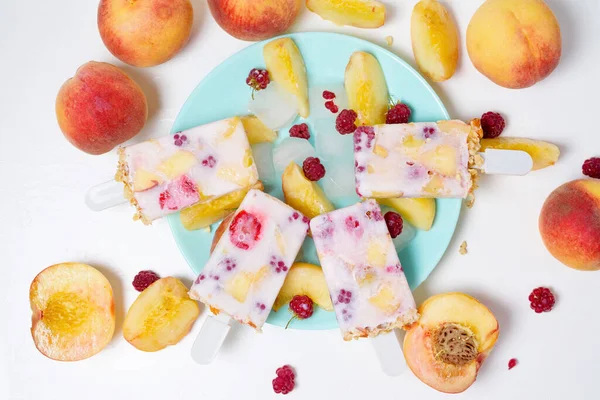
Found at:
(206, 229)
(389, 40)
(463, 248)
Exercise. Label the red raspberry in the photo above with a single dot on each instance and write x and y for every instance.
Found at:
(258, 79)
(399, 113)
(300, 131)
(327, 95)
(394, 223)
(591, 167)
(245, 230)
(512, 363)
(302, 306)
(542, 300)
(283, 385)
(313, 169)
(330, 105)
(345, 123)
(286, 372)
(492, 124)
(144, 279)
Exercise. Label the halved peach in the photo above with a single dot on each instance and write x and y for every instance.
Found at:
(358, 13)
(420, 213)
(161, 315)
(286, 67)
(366, 88)
(544, 154)
(73, 311)
(304, 279)
(202, 215)
(302, 194)
(257, 131)
(447, 346)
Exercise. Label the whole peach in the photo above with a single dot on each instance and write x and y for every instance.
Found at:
(144, 33)
(254, 20)
(100, 108)
(515, 43)
(570, 224)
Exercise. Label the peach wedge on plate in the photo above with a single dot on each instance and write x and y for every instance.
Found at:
(544, 154)
(304, 279)
(358, 13)
(366, 88)
(420, 213)
(302, 194)
(446, 348)
(257, 131)
(73, 311)
(161, 315)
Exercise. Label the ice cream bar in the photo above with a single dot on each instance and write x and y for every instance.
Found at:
(162, 176)
(251, 260)
(426, 159)
(365, 279)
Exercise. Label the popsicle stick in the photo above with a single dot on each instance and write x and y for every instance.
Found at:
(105, 195)
(210, 338)
(506, 162)
(389, 352)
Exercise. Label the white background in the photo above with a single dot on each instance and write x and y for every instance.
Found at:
(44, 221)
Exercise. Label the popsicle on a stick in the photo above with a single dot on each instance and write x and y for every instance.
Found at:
(163, 176)
(368, 288)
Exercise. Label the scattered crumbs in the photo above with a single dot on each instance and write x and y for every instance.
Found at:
(512, 363)
(463, 248)
(389, 40)
(478, 160)
(206, 229)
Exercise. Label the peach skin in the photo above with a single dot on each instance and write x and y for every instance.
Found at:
(144, 33)
(515, 43)
(570, 224)
(100, 108)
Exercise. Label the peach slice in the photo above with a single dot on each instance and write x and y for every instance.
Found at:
(256, 131)
(73, 311)
(161, 315)
(304, 279)
(286, 67)
(544, 154)
(302, 194)
(358, 13)
(442, 159)
(420, 213)
(447, 346)
(202, 215)
(366, 88)
(240, 284)
(145, 180)
(434, 40)
(178, 164)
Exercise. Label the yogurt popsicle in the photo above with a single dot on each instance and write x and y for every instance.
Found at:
(162, 176)
(365, 279)
(251, 260)
(426, 159)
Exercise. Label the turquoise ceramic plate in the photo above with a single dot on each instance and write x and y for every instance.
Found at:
(223, 93)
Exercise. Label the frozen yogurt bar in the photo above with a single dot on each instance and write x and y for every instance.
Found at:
(165, 175)
(366, 282)
(251, 260)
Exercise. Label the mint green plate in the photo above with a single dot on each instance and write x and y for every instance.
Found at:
(224, 93)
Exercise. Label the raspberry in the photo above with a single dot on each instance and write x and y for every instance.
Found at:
(394, 223)
(144, 279)
(285, 372)
(302, 306)
(591, 167)
(512, 363)
(492, 124)
(398, 113)
(313, 169)
(245, 230)
(283, 385)
(278, 264)
(300, 131)
(209, 162)
(330, 105)
(327, 95)
(258, 79)
(179, 140)
(345, 122)
(344, 296)
(542, 300)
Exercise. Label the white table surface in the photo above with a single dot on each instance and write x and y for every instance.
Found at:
(44, 221)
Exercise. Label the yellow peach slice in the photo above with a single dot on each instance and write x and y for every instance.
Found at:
(434, 40)
(145, 180)
(202, 215)
(73, 311)
(256, 131)
(286, 67)
(366, 88)
(240, 284)
(442, 159)
(302, 194)
(358, 13)
(420, 213)
(304, 280)
(161, 316)
(178, 164)
(447, 346)
(385, 300)
(544, 154)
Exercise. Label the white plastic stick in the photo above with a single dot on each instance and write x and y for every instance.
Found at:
(506, 162)
(210, 338)
(389, 352)
(105, 195)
